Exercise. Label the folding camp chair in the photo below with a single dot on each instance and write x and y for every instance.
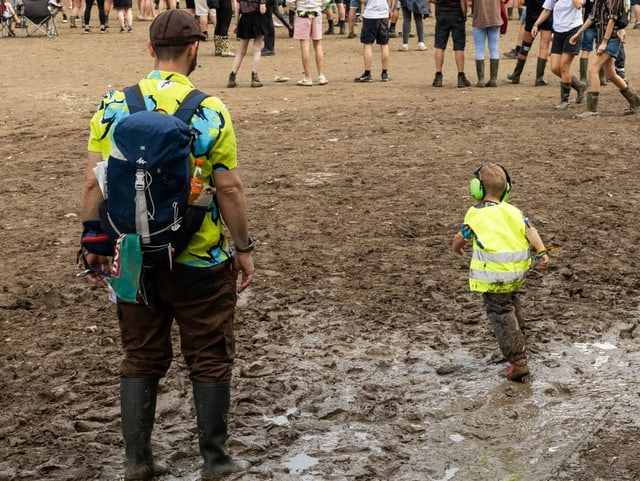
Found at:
(38, 16)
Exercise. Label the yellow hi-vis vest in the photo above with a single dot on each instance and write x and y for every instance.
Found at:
(500, 259)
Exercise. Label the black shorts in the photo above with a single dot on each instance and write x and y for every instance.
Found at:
(375, 30)
(531, 19)
(453, 25)
(191, 4)
(560, 43)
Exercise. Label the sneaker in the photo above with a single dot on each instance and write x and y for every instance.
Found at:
(403, 48)
(322, 80)
(463, 81)
(87, 30)
(385, 77)
(636, 26)
(422, 46)
(129, 29)
(511, 54)
(103, 29)
(122, 29)
(437, 80)
(517, 372)
(64, 18)
(305, 82)
(267, 53)
(365, 77)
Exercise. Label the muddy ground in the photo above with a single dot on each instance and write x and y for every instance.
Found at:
(361, 353)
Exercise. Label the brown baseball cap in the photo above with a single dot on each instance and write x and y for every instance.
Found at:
(174, 28)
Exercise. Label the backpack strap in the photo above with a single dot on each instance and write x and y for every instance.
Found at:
(135, 99)
(189, 105)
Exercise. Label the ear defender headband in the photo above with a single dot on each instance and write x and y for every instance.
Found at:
(476, 189)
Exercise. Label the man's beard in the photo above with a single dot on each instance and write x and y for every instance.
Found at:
(194, 64)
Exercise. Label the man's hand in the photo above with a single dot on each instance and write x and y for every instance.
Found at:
(243, 263)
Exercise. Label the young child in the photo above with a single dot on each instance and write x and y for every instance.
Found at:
(501, 238)
(375, 28)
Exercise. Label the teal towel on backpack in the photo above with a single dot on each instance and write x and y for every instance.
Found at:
(127, 268)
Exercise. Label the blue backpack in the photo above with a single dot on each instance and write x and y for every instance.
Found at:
(147, 179)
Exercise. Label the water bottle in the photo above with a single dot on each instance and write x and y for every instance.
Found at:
(197, 181)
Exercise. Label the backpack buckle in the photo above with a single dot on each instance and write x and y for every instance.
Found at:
(139, 183)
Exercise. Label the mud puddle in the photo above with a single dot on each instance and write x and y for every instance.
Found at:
(373, 411)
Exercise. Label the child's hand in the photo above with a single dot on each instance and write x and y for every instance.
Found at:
(541, 261)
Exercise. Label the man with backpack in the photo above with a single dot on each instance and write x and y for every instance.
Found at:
(192, 280)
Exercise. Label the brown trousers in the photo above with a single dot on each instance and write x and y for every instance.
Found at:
(202, 301)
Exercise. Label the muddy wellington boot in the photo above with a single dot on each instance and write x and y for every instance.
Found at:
(565, 91)
(480, 73)
(494, 63)
(540, 66)
(579, 87)
(603, 78)
(592, 105)
(138, 409)
(515, 75)
(584, 68)
(632, 97)
(225, 49)
(212, 407)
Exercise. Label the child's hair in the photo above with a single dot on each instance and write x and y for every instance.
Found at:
(494, 180)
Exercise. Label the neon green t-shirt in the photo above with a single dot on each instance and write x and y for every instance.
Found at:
(214, 141)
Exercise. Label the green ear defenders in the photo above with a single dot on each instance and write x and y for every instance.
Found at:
(476, 189)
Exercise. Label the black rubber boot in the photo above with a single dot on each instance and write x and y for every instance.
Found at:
(540, 66)
(584, 68)
(480, 73)
(138, 409)
(515, 75)
(212, 406)
(565, 91)
(580, 88)
(494, 63)
(592, 105)
(632, 97)
(603, 78)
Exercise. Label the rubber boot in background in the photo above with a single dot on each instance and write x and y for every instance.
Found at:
(480, 73)
(517, 71)
(592, 105)
(565, 91)
(579, 87)
(540, 66)
(632, 97)
(584, 69)
(494, 64)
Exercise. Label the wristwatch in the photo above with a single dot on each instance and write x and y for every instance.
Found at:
(250, 246)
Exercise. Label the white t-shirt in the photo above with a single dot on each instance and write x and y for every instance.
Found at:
(376, 9)
(565, 15)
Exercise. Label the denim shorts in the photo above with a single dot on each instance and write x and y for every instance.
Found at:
(588, 37)
(354, 3)
(613, 47)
